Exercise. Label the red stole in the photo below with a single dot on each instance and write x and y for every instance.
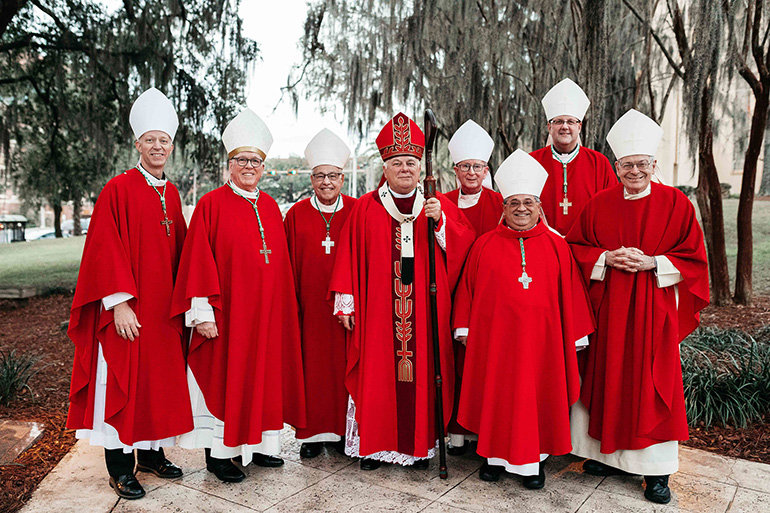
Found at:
(127, 250)
(632, 381)
(251, 374)
(589, 173)
(520, 373)
(323, 337)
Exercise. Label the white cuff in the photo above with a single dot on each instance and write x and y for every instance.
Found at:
(441, 233)
(597, 273)
(581, 343)
(200, 311)
(666, 273)
(343, 304)
(461, 332)
(115, 299)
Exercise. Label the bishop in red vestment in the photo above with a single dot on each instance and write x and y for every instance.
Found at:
(641, 249)
(575, 173)
(470, 148)
(380, 289)
(128, 389)
(235, 285)
(524, 306)
(313, 230)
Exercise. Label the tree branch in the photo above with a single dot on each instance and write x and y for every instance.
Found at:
(676, 66)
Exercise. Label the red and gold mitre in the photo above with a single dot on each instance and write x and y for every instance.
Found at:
(401, 136)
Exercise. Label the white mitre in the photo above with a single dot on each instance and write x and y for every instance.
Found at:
(471, 142)
(565, 99)
(247, 132)
(327, 148)
(520, 173)
(634, 134)
(153, 111)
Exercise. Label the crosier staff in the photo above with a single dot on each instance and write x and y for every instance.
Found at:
(430, 192)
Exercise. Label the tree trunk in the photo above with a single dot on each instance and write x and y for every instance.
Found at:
(744, 265)
(709, 196)
(77, 206)
(594, 67)
(57, 219)
(764, 187)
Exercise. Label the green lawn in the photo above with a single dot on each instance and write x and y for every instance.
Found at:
(53, 263)
(43, 264)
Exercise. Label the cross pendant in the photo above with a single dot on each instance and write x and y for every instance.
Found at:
(167, 222)
(525, 280)
(328, 243)
(265, 251)
(565, 206)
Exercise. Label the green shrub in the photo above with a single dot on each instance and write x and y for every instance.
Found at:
(726, 376)
(15, 373)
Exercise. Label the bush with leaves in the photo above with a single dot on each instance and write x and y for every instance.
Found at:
(15, 373)
(726, 376)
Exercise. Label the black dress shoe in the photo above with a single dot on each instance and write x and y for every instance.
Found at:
(338, 446)
(263, 460)
(596, 468)
(489, 472)
(370, 464)
(164, 469)
(310, 449)
(657, 489)
(421, 464)
(456, 451)
(127, 487)
(536, 482)
(225, 470)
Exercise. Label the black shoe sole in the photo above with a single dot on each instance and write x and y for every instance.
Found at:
(226, 479)
(151, 470)
(127, 497)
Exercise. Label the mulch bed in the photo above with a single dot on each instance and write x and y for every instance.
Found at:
(36, 326)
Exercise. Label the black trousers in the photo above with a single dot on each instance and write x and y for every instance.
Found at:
(120, 463)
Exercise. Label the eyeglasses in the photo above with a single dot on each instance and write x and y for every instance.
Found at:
(528, 204)
(320, 177)
(568, 122)
(642, 165)
(152, 140)
(242, 161)
(465, 168)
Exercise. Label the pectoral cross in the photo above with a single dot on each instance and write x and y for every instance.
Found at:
(265, 251)
(565, 205)
(166, 221)
(525, 280)
(328, 243)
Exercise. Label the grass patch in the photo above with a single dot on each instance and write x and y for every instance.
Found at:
(761, 232)
(726, 376)
(47, 265)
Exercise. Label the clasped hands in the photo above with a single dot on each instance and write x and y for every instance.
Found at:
(630, 260)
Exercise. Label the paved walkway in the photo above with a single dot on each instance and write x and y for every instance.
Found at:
(706, 483)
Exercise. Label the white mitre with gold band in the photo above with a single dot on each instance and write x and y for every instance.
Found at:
(247, 132)
(565, 99)
(471, 142)
(520, 173)
(327, 148)
(634, 134)
(153, 111)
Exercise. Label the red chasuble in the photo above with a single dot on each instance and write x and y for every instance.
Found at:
(127, 250)
(251, 374)
(484, 215)
(394, 400)
(520, 375)
(323, 337)
(589, 173)
(632, 382)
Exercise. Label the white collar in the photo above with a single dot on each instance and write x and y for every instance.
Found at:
(565, 158)
(468, 200)
(151, 180)
(397, 195)
(250, 195)
(646, 192)
(327, 209)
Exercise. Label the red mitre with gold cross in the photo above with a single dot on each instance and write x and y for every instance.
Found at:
(401, 136)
